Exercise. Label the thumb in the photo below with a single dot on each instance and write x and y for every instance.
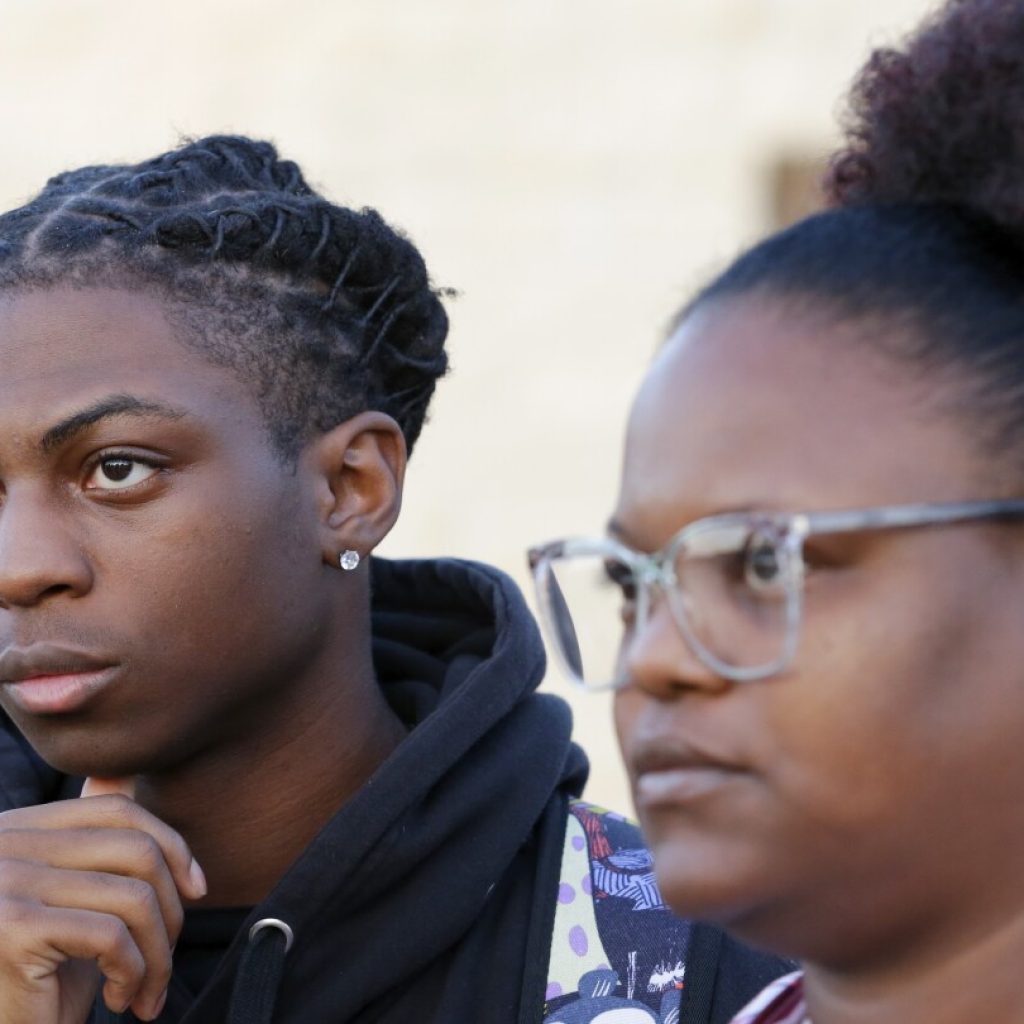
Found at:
(103, 787)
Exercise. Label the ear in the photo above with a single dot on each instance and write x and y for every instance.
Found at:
(360, 467)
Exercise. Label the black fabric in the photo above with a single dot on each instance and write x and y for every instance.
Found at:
(542, 918)
(741, 974)
(258, 978)
(25, 779)
(205, 937)
(702, 971)
(722, 975)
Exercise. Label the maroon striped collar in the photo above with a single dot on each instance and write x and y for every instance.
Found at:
(782, 1002)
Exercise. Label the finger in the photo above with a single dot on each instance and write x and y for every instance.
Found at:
(130, 900)
(156, 927)
(111, 812)
(35, 941)
(106, 787)
(125, 852)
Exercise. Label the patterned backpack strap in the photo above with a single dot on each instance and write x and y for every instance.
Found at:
(575, 941)
(604, 959)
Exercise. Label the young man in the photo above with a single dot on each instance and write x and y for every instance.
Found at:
(321, 788)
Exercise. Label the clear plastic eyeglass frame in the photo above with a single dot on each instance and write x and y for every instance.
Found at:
(731, 534)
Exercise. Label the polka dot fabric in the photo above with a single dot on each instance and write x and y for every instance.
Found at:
(575, 943)
(617, 953)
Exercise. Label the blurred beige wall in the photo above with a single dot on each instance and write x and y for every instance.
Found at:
(573, 168)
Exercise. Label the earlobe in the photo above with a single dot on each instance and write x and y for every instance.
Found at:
(361, 464)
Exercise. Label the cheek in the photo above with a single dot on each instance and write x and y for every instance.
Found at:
(625, 708)
(220, 574)
(627, 705)
(887, 708)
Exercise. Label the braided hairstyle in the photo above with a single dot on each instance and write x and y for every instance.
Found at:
(925, 226)
(324, 311)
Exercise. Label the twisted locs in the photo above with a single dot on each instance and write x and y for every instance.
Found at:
(325, 310)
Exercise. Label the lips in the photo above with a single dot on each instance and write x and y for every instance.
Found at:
(663, 753)
(48, 679)
(671, 770)
(18, 664)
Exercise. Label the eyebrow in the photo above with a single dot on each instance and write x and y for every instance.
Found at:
(113, 405)
(619, 531)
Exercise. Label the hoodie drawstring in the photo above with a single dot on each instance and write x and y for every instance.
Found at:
(259, 973)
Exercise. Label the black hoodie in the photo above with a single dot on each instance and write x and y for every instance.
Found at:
(430, 895)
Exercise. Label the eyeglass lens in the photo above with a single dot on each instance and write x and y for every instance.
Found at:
(730, 600)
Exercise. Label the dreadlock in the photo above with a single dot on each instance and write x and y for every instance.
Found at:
(325, 311)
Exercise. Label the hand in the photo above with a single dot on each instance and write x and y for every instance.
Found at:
(90, 894)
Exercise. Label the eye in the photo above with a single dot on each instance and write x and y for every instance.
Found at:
(621, 577)
(118, 473)
(764, 569)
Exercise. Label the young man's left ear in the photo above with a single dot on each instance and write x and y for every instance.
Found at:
(360, 466)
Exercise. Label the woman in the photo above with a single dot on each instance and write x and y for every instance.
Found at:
(343, 811)
(818, 559)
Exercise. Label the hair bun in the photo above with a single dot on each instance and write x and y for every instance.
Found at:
(941, 118)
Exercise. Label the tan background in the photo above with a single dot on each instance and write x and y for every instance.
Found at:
(574, 168)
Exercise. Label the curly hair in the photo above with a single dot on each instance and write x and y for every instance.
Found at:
(323, 310)
(925, 228)
(942, 118)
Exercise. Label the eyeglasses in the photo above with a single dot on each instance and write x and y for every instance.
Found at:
(734, 585)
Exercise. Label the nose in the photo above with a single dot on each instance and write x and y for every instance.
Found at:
(659, 661)
(39, 556)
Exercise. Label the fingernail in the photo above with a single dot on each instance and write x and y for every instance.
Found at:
(158, 1009)
(197, 878)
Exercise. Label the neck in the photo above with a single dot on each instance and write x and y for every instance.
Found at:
(267, 793)
(975, 980)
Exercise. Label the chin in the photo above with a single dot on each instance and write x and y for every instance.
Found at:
(708, 879)
(86, 763)
(82, 750)
(734, 890)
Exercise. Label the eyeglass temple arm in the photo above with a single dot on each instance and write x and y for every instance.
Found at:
(896, 516)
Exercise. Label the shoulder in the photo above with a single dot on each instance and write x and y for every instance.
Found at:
(617, 946)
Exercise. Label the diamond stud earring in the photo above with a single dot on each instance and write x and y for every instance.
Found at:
(349, 560)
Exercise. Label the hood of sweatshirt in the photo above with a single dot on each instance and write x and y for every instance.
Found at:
(427, 896)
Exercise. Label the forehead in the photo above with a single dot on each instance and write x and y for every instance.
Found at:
(61, 347)
(751, 404)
